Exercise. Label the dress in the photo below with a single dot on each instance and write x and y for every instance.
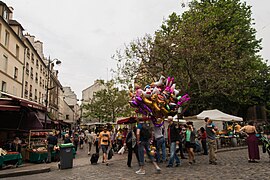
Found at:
(253, 146)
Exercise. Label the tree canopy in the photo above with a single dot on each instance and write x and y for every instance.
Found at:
(108, 103)
(212, 52)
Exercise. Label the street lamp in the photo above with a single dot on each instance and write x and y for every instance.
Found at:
(58, 62)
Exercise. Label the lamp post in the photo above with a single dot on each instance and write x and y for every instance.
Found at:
(47, 86)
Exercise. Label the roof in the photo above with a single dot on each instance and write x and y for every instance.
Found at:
(215, 115)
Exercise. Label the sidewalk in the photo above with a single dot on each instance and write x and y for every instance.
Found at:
(82, 159)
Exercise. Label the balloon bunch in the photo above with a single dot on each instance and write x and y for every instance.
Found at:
(158, 100)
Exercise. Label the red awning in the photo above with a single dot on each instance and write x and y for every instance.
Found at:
(131, 120)
(9, 108)
(25, 102)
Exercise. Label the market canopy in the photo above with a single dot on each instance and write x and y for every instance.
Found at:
(130, 120)
(215, 115)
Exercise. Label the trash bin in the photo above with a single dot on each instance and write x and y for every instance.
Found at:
(66, 156)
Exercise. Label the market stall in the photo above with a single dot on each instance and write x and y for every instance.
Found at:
(10, 158)
(225, 123)
(37, 148)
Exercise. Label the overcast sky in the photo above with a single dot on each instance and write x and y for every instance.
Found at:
(84, 34)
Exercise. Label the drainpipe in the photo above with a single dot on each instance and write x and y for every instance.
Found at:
(23, 72)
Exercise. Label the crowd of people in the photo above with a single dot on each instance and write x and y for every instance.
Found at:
(180, 139)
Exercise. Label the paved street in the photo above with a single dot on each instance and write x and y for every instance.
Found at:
(231, 165)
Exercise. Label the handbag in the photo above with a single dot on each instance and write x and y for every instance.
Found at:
(110, 154)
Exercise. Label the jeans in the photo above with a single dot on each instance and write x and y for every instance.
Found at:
(173, 155)
(144, 145)
(212, 150)
(160, 142)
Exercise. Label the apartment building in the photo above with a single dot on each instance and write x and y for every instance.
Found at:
(26, 76)
(35, 74)
(12, 50)
(87, 96)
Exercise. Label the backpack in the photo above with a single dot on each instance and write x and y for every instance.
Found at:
(145, 132)
(94, 158)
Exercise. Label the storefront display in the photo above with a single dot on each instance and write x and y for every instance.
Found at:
(37, 147)
(11, 158)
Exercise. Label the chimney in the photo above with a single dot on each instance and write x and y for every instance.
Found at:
(38, 45)
(11, 13)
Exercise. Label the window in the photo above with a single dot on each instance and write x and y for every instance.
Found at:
(31, 73)
(67, 116)
(41, 69)
(17, 52)
(39, 97)
(33, 58)
(36, 95)
(37, 63)
(36, 77)
(30, 91)
(5, 63)
(7, 39)
(4, 86)
(27, 68)
(40, 81)
(26, 89)
(15, 73)
(28, 53)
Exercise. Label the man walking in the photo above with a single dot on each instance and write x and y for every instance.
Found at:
(143, 137)
(90, 140)
(211, 140)
(104, 142)
(173, 139)
(160, 143)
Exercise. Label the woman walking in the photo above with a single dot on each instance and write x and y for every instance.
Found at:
(190, 143)
(252, 141)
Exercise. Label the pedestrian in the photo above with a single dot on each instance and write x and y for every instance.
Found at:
(143, 141)
(160, 143)
(181, 142)
(211, 140)
(119, 139)
(252, 142)
(90, 139)
(67, 139)
(190, 143)
(51, 142)
(202, 136)
(131, 144)
(76, 140)
(104, 143)
(173, 140)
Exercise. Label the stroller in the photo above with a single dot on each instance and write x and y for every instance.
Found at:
(266, 145)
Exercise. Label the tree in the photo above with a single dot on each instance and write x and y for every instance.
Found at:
(211, 50)
(107, 104)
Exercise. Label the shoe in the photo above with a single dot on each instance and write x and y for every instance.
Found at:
(158, 170)
(177, 165)
(210, 162)
(190, 163)
(89, 153)
(107, 164)
(194, 161)
(169, 166)
(140, 172)
(103, 161)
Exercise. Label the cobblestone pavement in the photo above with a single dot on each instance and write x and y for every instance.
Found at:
(231, 165)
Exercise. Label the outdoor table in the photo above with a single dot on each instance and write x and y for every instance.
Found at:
(6, 159)
(38, 157)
